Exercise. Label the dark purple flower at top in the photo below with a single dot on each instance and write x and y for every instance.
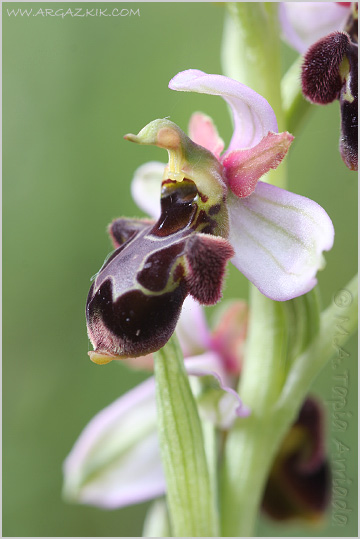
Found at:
(299, 484)
(330, 72)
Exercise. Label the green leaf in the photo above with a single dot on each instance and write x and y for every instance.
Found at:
(303, 323)
(190, 495)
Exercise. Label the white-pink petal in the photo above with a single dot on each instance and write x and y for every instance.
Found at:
(279, 238)
(138, 478)
(303, 23)
(146, 187)
(192, 329)
(253, 116)
(203, 131)
(221, 411)
(116, 460)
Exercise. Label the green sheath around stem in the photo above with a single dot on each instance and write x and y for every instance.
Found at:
(190, 495)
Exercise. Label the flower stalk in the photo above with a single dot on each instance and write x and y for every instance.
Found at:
(249, 452)
(190, 495)
(296, 107)
(265, 353)
(252, 443)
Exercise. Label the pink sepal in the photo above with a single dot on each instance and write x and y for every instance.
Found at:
(243, 168)
(203, 131)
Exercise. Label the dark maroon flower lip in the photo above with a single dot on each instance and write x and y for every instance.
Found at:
(321, 74)
(136, 298)
(299, 484)
(349, 112)
(330, 72)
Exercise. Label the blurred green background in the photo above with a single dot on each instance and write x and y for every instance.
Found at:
(71, 88)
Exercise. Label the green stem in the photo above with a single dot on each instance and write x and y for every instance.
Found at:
(265, 346)
(190, 496)
(296, 107)
(250, 449)
(251, 443)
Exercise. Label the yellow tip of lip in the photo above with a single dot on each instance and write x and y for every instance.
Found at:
(100, 359)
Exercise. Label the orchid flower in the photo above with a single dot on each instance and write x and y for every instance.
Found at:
(213, 208)
(116, 460)
(327, 33)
